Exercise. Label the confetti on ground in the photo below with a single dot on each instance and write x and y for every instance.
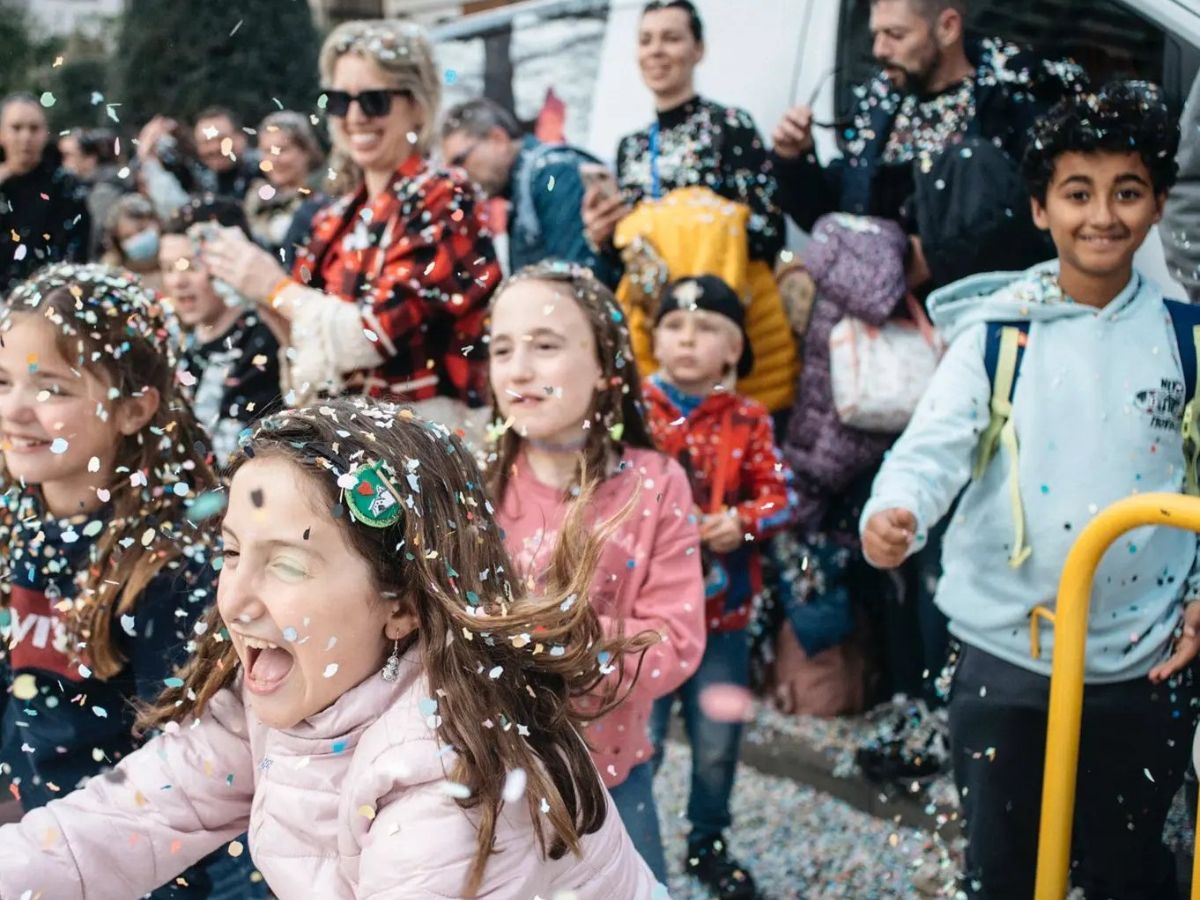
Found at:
(801, 843)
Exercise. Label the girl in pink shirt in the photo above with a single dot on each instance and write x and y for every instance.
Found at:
(373, 698)
(565, 386)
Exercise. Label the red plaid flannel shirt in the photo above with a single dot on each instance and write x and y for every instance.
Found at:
(420, 263)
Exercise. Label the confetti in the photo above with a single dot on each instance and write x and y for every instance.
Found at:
(514, 786)
(24, 686)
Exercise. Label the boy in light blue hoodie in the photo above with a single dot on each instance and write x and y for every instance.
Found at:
(1063, 390)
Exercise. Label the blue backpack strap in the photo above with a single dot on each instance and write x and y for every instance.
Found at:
(1004, 349)
(1185, 322)
(991, 350)
(1185, 319)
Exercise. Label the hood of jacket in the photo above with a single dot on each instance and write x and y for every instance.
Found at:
(1030, 296)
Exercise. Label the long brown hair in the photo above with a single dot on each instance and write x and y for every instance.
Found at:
(111, 326)
(445, 559)
(615, 415)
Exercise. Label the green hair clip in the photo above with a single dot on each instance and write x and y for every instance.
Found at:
(374, 500)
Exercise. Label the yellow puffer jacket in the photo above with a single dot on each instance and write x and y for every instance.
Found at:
(693, 231)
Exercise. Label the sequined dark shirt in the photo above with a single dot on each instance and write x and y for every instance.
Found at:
(704, 144)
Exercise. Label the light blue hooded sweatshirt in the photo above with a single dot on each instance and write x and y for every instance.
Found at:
(1097, 409)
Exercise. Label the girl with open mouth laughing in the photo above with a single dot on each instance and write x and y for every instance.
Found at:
(374, 695)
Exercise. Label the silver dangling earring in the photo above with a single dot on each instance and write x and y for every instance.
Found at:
(391, 668)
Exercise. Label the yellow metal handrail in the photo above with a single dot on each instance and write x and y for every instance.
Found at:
(1066, 679)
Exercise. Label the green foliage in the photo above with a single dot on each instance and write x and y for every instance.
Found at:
(23, 51)
(179, 56)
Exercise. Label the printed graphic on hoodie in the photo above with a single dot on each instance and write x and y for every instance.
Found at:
(1163, 404)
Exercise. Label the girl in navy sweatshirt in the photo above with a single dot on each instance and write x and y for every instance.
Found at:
(104, 568)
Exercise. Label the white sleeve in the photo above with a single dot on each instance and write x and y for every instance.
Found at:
(329, 340)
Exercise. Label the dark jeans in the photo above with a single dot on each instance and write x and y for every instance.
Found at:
(714, 744)
(218, 876)
(911, 631)
(634, 800)
(1134, 748)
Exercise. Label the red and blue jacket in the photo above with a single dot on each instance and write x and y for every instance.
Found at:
(726, 444)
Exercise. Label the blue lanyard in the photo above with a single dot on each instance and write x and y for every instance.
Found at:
(655, 181)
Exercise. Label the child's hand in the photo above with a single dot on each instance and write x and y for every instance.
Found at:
(888, 536)
(722, 532)
(1187, 646)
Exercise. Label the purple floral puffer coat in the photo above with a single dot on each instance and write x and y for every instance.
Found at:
(857, 264)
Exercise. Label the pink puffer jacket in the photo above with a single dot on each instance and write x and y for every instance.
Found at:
(352, 803)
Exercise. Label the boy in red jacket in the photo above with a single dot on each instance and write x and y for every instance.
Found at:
(743, 493)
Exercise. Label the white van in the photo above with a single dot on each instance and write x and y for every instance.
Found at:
(766, 55)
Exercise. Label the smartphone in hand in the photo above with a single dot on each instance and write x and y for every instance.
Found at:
(598, 176)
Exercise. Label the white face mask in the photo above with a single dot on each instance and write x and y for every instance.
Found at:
(141, 247)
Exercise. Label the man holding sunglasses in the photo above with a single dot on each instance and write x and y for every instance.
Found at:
(542, 183)
(933, 144)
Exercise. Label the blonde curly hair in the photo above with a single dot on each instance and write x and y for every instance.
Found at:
(402, 51)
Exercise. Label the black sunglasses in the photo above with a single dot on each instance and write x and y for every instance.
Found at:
(838, 122)
(374, 103)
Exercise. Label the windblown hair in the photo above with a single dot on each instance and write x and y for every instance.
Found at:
(109, 325)
(445, 562)
(403, 53)
(615, 416)
(1122, 117)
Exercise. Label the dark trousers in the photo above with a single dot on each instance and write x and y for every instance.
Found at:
(1134, 748)
(715, 745)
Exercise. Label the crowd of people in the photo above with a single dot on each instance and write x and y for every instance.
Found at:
(348, 551)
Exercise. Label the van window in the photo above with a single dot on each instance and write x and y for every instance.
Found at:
(1106, 37)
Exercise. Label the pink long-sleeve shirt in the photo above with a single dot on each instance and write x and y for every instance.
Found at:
(648, 579)
(351, 804)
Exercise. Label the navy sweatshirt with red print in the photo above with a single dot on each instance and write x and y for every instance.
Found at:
(726, 444)
(60, 724)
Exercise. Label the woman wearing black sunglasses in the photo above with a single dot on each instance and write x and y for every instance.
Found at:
(389, 296)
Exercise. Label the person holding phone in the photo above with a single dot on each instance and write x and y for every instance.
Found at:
(543, 184)
(694, 156)
(388, 297)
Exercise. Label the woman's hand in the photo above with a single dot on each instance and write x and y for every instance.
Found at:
(243, 265)
(601, 212)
